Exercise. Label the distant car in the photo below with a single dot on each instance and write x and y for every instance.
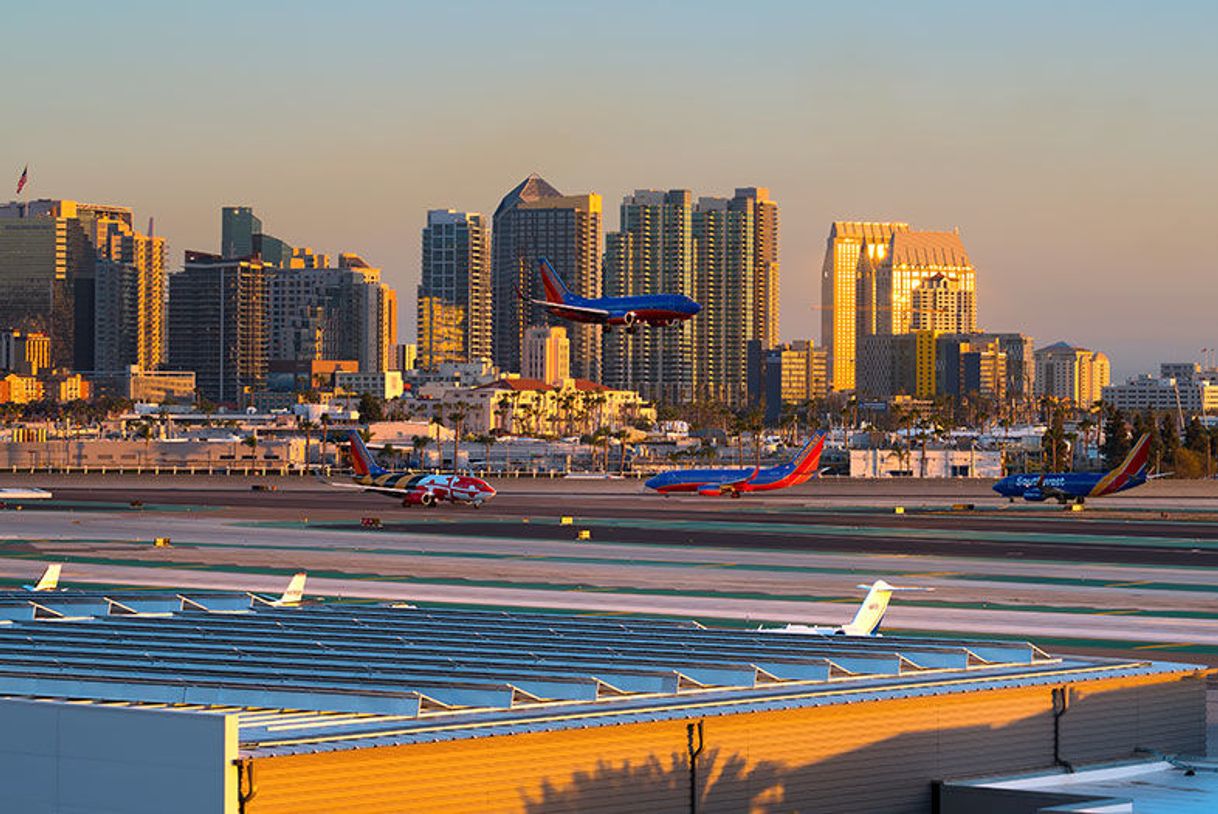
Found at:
(264, 487)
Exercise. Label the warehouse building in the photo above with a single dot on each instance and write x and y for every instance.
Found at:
(153, 702)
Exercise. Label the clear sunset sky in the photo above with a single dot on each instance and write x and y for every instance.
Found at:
(1075, 144)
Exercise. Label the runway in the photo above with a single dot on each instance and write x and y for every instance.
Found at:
(1133, 576)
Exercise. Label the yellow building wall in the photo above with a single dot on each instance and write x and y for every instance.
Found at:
(873, 756)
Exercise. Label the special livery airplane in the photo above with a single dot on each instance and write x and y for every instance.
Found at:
(734, 482)
(649, 309)
(1078, 486)
(413, 489)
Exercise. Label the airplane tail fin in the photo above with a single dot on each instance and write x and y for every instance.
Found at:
(49, 580)
(871, 612)
(361, 458)
(556, 289)
(1132, 468)
(295, 591)
(807, 460)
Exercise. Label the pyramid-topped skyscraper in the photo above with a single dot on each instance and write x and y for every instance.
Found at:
(536, 220)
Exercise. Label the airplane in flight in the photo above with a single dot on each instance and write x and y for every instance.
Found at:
(734, 482)
(867, 618)
(657, 310)
(413, 489)
(1078, 486)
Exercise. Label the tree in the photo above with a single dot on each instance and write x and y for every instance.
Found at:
(306, 426)
(1053, 443)
(1116, 438)
(457, 413)
(420, 443)
(251, 441)
(1169, 438)
(371, 408)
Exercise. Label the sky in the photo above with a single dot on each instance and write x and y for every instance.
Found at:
(1072, 143)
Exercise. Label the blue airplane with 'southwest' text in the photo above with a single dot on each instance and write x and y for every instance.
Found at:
(656, 310)
(1078, 486)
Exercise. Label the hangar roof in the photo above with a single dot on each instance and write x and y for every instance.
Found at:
(335, 676)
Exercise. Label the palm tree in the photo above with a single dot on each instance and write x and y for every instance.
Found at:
(306, 426)
(487, 440)
(251, 441)
(420, 443)
(457, 413)
(325, 434)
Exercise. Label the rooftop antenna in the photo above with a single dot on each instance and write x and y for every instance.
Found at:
(151, 225)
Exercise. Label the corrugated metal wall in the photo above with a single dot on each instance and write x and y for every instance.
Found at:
(867, 756)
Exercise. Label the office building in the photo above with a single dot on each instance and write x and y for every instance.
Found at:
(47, 260)
(26, 354)
(328, 710)
(150, 386)
(332, 313)
(793, 374)
(406, 357)
(536, 220)
(735, 257)
(384, 384)
(652, 254)
(1020, 361)
(891, 271)
(130, 297)
(941, 303)
(888, 365)
(839, 308)
(1071, 374)
(241, 235)
(1187, 395)
(454, 295)
(218, 327)
(547, 354)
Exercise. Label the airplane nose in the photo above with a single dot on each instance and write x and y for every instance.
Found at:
(694, 307)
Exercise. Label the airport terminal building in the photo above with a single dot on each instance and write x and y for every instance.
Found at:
(224, 702)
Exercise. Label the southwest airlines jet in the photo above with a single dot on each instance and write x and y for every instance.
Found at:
(720, 482)
(1078, 486)
(649, 309)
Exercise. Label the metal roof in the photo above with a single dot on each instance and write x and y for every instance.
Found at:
(337, 675)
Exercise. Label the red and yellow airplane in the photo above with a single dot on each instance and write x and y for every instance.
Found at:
(413, 489)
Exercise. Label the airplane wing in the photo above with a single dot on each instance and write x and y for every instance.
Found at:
(574, 309)
(391, 490)
(727, 487)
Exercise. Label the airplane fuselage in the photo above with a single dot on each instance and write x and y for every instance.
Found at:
(1064, 485)
(426, 490)
(648, 309)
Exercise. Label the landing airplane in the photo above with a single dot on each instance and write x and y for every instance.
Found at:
(657, 310)
(1078, 486)
(734, 482)
(49, 581)
(867, 618)
(414, 490)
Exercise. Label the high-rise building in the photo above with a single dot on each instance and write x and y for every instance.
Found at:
(454, 296)
(735, 288)
(130, 293)
(838, 291)
(652, 254)
(891, 271)
(1020, 362)
(238, 225)
(328, 313)
(793, 374)
(1070, 373)
(942, 303)
(547, 354)
(536, 220)
(26, 354)
(218, 327)
(47, 262)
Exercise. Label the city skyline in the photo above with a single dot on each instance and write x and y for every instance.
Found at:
(1065, 152)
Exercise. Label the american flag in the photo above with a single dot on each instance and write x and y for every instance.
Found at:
(24, 176)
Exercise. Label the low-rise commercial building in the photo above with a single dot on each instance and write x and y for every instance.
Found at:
(142, 707)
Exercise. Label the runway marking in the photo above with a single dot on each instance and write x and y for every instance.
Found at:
(1164, 646)
(1129, 584)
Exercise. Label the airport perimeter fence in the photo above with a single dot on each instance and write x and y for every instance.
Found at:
(288, 471)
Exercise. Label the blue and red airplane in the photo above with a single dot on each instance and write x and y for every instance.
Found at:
(1078, 486)
(734, 482)
(650, 309)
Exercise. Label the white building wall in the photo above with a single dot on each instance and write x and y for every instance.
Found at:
(58, 758)
(940, 463)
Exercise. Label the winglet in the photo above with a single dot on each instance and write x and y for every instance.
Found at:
(49, 581)
(294, 593)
